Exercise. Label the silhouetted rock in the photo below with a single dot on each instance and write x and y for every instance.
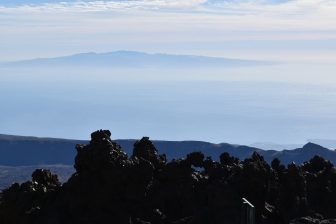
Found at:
(146, 150)
(27, 203)
(110, 187)
(228, 160)
(312, 220)
(195, 159)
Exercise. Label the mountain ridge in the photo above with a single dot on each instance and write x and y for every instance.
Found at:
(108, 186)
(123, 58)
(58, 154)
(45, 150)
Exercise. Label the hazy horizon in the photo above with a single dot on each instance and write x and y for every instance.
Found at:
(288, 102)
(235, 105)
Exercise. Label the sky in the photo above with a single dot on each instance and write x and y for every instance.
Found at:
(249, 29)
(287, 103)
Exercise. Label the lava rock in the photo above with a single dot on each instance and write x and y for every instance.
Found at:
(110, 187)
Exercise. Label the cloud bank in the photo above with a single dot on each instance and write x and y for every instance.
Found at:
(39, 28)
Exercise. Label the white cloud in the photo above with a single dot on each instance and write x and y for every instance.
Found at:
(159, 25)
(239, 6)
(107, 5)
(317, 14)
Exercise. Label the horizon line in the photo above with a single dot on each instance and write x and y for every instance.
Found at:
(135, 52)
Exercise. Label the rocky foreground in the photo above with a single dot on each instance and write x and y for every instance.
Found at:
(109, 187)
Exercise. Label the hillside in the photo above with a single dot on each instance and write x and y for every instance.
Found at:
(20, 174)
(58, 154)
(37, 151)
(110, 187)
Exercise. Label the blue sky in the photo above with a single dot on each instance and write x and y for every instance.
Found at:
(253, 29)
(22, 2)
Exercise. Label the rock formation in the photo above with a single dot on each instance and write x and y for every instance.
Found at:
(110, 187)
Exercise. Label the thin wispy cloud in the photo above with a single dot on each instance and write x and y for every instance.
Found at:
(264, 14)
(290, 7)
(107, 5)
(159, 25)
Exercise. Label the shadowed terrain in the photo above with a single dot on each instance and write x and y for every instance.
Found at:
(58, 155)
(110, 187)
(49, 151)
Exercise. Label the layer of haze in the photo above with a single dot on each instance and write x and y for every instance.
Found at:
(285, 103)
(238, 105)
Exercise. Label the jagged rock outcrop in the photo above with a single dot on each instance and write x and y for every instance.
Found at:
(28, 202)
(110, 187)
(145, 149)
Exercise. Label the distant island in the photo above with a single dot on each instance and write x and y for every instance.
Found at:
(134, 59)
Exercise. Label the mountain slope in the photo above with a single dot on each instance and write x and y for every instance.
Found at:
(26, 151)
(303, 154)
(133, 59)
(20, 155)
(11, 174)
